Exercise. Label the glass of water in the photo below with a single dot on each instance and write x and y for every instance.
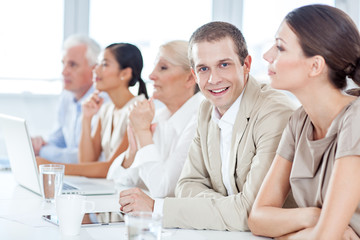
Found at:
(51, 179)
(143, 226)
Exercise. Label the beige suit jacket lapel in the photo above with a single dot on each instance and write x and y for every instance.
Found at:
(213, 144)
(247, 102)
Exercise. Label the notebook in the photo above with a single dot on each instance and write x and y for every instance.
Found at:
(24, 168)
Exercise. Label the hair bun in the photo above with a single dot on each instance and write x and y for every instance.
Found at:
(349, 70)
(352, 70)
(353, 92)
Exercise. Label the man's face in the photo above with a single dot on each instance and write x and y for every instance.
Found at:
(219, 73)
(76, 71)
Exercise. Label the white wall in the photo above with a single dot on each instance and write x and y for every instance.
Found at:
(38, 110)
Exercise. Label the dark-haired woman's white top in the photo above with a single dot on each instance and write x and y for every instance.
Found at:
(113, 125)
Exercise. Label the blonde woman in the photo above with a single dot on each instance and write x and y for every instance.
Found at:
(159, 141)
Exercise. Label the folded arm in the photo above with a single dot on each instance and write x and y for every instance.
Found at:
(330, 222)
(270, 200)
(341, 200)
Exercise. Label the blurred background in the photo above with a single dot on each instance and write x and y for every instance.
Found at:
(32, 32)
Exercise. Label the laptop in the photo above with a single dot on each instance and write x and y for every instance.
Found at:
(25, 170)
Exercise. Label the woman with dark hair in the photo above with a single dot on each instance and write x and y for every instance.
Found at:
(119, 69)
(318, 158)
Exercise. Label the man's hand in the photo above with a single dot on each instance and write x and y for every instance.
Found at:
(37, 143)
(135, 199)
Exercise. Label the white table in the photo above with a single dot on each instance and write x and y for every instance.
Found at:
(21, 211)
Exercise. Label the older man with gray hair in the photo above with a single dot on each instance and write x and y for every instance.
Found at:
(80, 55)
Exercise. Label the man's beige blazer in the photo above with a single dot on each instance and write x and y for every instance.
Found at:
(202, 201)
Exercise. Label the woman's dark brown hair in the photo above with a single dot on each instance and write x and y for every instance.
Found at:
(329, 32)
(128, 55)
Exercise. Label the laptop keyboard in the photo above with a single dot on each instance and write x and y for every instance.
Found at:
(68, 187)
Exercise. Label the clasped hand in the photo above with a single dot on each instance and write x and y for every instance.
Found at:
(92, 105)
(140, 129)
(141, 115)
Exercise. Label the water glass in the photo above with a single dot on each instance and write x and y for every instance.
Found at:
(51, 179)
(143, 226)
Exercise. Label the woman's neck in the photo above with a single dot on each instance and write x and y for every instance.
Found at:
(176, 104)
(323, 105)
(120, 97)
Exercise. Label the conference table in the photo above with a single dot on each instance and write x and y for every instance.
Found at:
(21, 218)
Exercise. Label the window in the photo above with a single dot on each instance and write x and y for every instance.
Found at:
(30, 49)
(147, 24)
(261, 20)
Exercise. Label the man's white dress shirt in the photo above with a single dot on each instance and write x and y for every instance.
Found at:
(62, 144)
(226, 124)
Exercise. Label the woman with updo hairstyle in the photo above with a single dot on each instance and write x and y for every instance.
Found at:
(316, 48)
(129, 56)
(119, 69)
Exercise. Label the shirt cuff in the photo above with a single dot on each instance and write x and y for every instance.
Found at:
(116, 166)
(158, 206)
(144, 155)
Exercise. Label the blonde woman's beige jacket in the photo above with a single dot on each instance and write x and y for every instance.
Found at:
(201, 198)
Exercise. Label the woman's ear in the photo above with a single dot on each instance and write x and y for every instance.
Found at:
(126, 73)
(317, 66)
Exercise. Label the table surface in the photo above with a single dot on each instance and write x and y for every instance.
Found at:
(21, 211)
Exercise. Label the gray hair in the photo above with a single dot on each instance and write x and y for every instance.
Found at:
(92, 47)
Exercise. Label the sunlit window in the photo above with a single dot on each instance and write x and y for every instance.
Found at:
(147, 24)
(31, 37)
(261, 20)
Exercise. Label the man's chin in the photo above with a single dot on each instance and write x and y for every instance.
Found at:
(67, 87)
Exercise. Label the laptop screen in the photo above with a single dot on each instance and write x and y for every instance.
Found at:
(20, 152)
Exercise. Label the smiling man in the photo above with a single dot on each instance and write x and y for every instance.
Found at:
(239, 127)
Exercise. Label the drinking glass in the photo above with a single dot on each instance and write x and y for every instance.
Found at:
(51, 179)
(143, 226)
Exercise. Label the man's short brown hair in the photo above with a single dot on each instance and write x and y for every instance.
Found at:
(215, 31)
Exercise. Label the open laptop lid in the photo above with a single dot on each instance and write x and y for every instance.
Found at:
(20, 152)
(23, 162)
